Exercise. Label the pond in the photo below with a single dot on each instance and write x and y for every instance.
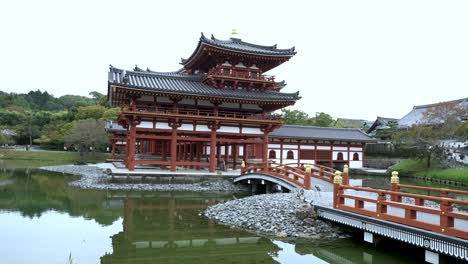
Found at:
(46, 221)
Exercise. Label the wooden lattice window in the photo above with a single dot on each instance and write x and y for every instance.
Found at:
(307, 154)
(339, 156)
(355, 156)
(272, 154)
(324, 155)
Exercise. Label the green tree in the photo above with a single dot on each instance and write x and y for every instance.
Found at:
(90, 112)
(323, 120)
(111, 114)
(87, 135)
(296, 117)
(6, 140)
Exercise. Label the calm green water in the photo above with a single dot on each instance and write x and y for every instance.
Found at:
(45, 221)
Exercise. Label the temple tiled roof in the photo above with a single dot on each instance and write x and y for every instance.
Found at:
(321, 133)
(417, 115)
(187, 84)
(237, 45)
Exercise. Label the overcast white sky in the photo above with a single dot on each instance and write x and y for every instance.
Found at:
(356, 59)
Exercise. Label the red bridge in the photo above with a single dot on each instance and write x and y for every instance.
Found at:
(435, 219)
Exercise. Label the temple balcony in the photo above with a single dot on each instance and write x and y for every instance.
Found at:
(250, 78)
(207, 115)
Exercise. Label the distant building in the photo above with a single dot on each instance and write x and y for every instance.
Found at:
(381, 123)
(417, 116)
(8, 132)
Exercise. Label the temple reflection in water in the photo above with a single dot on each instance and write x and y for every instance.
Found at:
(168, 229)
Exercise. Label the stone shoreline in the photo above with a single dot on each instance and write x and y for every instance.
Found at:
(281, 215)
(93, 177)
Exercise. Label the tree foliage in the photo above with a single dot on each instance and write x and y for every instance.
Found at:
(87, 135)
(298, 117)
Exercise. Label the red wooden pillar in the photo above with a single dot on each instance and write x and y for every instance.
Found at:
(281, 151)
(299, 153)
(163, 153)
(245, 155)
(192, 153)
(363, 148)
(331, 147)
(218, 152)
(213, 150)
(113, 148)
(235, 150)
(226, 155)
(265, 147)
(199, 152)
(173, 148)
(131, 141)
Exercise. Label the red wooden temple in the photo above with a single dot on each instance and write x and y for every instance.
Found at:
(215, 111)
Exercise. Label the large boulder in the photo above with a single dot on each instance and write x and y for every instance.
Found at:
(305, 211)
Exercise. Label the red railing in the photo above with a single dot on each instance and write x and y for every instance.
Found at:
(412, 211)
(241, 74)
(300, 174)
(197, 112)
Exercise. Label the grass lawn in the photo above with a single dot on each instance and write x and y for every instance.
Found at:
(34, 159)
(418, 168)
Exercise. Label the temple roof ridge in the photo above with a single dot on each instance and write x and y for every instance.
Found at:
(172, 74)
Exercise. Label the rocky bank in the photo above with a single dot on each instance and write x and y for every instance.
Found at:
(93, 177)
(280, 215)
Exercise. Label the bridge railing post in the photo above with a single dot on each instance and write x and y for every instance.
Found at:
(307, 175)
(394, 181)
(445, 207)
(345, 175)
(337, 190)
(381, 208)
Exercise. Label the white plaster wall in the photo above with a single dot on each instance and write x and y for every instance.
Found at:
(289, 146)
(355, 164)
(202, 128)
(162, 125)
(121, 142)
(241, 151)
(307, 147)
(273, 146)
(355, 149)
(308, 161)
(251, 130)
(188, 127)
(324, 147)
(229, 129)
(145, 124)
(340, 148)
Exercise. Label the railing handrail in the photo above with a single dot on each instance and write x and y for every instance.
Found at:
(434, 189)
(403, 194)
(198, 112)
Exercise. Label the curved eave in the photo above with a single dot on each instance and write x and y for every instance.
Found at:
(200, 46)
(192, 95)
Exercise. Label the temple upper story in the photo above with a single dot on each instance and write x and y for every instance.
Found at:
(218, 71)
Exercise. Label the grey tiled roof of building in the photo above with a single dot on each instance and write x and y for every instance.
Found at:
(188, 84)
(321, 133)
(416, 116)
(236, 44)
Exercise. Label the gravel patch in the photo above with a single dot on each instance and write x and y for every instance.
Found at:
(93, 177)
(273, 214)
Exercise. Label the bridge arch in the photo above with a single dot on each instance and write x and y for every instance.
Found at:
(256, 176)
